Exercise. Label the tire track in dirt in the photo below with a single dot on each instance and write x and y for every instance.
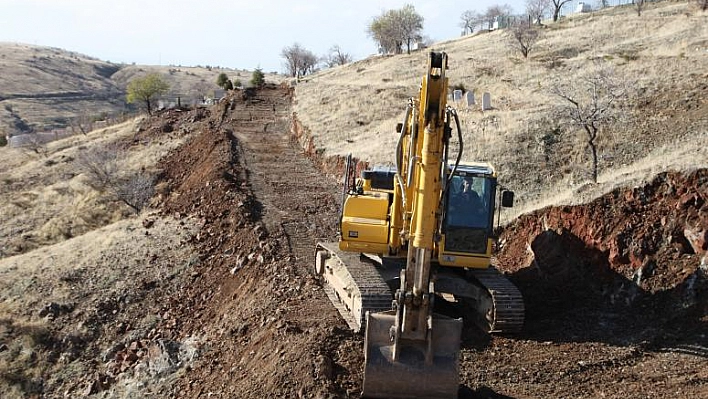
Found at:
(297, 204)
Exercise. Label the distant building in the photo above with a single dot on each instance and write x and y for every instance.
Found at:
(418, 45)
(583, 7)
(502, 22)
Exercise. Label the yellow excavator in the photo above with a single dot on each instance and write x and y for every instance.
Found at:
(410, 235)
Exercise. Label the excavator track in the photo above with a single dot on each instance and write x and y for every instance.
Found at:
(487, 298)
(507, 312)
(353, 284)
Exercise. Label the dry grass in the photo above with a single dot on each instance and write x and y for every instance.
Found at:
(93, 264)
(85, 276)
(663, 55)
(67, 244)
(49, 199)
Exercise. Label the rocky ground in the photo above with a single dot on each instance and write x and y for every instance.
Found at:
(615, 289)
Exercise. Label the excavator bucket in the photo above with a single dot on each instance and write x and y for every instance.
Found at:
(411, 375)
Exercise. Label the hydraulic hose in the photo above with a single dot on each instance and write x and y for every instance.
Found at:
(399, 152)
(452, 111)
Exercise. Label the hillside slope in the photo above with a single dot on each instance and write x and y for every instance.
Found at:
(44, 88)
(661, 56)
(211, 293)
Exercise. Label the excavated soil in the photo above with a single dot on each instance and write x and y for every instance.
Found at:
(615, 290)
(616, 296)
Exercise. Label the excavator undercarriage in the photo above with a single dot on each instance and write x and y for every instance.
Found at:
(359, 283)
(361, 288)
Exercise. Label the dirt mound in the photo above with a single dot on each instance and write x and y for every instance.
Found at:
(654, 236)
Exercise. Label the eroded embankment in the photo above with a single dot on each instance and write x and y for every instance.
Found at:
(641, 249)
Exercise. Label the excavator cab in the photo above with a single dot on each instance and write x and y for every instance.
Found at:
(468, 220)
(470, 201)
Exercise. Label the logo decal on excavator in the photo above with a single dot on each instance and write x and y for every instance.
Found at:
(353, 234)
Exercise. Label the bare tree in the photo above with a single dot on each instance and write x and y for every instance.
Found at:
(536, 9)
(639, 6)
(309, 64)
(337, 57)
(384, 34)
(298, 60)
(200, 90)
(100, 166)
(411, 24)
(32, 142)
(469, 20)
(523, 36)
(81, 124)
(592, 103)
(557, 6)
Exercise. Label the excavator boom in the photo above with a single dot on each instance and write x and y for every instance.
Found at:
(411, 351)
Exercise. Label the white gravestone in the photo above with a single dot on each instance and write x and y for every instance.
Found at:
(457, 96)
(486, 101)
(469, 99)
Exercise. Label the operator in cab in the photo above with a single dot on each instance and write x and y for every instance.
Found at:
(466, 207)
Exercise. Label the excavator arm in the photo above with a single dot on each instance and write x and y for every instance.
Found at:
(411, 351)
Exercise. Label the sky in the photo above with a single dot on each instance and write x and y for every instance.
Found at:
(226, 33)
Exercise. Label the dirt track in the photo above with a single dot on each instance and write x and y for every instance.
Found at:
(268, 330)
(268, 326)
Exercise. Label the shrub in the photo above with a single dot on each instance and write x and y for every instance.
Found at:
(135, 191)
(258, 78)
(224, 82)
(100, 166)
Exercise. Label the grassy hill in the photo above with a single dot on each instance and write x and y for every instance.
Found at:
(661, 58)
(42, 88)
